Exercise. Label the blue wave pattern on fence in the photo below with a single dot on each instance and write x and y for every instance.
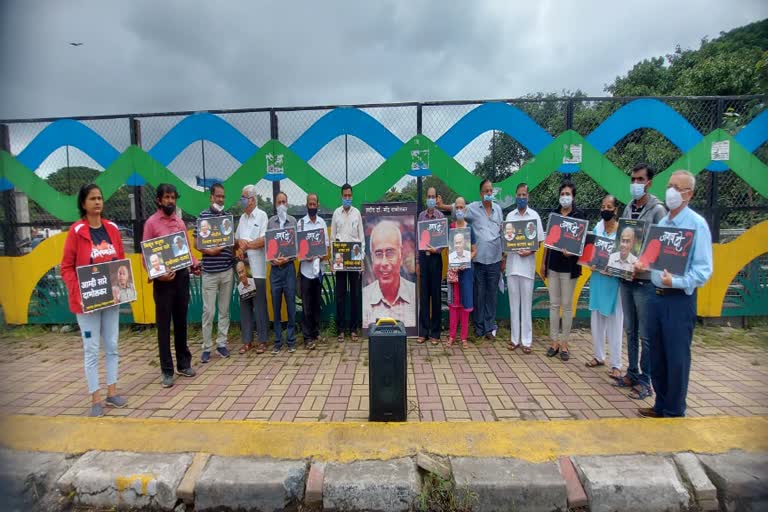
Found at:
(641, 113)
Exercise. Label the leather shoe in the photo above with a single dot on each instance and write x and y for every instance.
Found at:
(648, 412)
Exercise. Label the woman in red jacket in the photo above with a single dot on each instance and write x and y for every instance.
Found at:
(91, 240)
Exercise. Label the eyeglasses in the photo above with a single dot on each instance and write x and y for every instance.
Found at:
(389, 254)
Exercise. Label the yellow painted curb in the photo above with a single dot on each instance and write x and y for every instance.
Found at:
(534, 441)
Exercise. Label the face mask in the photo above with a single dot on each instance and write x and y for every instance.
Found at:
(217, 207)
(244, 202)
(169, 209)
(522, 203)
(607, 214)
(431, 202)
(674, 199)
(459, 214)
(312, 212)
(346, 203)
(488, 197)
(566, 201)
(637, 190)
(282, 211)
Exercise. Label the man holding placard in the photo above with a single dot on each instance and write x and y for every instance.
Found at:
(313, 232)
(217, 276)
(170, 290)
(347, 226)
(521, 272)
(671, 314)
(282, 278)
(430, 271)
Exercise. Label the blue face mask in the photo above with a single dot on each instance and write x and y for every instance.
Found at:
(244, 202)
(488, 197)
(346, 203)
(431, 202)
(459, 214)
(522, 203)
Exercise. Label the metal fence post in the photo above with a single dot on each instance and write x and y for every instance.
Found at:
(134, 128)
(9, 202)
(419, 182)
(714, 178)
(274, 135)
(569, 114)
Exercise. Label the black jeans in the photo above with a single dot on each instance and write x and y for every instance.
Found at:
(348, 283)
(310, 300)
(430, 305)
(171, 303)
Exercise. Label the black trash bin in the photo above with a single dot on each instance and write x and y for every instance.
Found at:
(387, 370)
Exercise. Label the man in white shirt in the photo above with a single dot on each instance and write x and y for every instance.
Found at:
(389, 295)
(250, 241)
(623, 259)
(460, 256)
(521, 274)
(347, 226)
(312, 276)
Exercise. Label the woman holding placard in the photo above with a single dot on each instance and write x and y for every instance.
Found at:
(561, 270)
(604, 297)
(460, 281)
(92, 240)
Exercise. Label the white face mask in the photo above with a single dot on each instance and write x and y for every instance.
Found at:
(566, 201)
(217, 207)
(282, 211)
(673, 199)
(637, 190)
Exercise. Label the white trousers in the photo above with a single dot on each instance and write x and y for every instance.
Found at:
(520, 291)
(608, 327)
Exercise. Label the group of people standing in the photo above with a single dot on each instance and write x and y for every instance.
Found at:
(657, 309)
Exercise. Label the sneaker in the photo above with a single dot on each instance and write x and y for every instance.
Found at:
(223, 352)
(205, 357)
(291, 350)
(187, 372)
(311, 345)
(117, 401)
(97, 411)
(167, 381)
(275, 351)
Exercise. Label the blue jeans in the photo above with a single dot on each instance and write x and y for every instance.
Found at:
(671, 320)
(282, 281)
(634, 301)
(103, 324)
(485, 294)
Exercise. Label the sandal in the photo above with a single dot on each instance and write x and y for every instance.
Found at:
(341, 337)
(260, 348)
(640, 394)
(512, 346)
(354, 336)
(464, 345)
(434, 341)
(623, 382)
(450, 342)
(245, 348)
(615, 373)
(421, 340)
(527, 350)
(594, 363)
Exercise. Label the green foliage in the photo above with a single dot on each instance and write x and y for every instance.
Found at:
(439, 495)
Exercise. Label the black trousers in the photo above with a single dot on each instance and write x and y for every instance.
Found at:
(348, 283)
(310, 300)
(430, 305)
(171, 304)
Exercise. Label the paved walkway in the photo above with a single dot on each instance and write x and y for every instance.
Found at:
(43, 375)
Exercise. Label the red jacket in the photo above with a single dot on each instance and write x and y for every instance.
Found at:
(77, 252)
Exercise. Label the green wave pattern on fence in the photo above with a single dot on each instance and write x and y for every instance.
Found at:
(374, 186)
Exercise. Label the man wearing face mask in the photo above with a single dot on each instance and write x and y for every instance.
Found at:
(347, 226)
(430, 279)
(311, 280)
(249, 235)
(282, 280)
(521, 273)
(636, 293)
(671, 311)
(486, 218)
(218, 280)
(170, 291)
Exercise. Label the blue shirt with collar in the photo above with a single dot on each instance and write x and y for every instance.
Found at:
(700, 264)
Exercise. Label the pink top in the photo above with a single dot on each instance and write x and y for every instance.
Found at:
(160, 224)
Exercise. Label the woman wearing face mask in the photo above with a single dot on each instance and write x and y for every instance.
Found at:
(562, 270)
(604, 298)
(460, 301)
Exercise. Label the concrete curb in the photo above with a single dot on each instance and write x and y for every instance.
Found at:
(51, 481)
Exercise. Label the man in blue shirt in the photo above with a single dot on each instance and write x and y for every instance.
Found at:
(671, 312)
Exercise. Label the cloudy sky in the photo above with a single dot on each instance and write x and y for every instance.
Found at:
(146, 56)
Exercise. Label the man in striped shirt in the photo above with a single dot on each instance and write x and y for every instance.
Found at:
(217, 283)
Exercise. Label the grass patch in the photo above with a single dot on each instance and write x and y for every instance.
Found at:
(718, 336)
(440, 495)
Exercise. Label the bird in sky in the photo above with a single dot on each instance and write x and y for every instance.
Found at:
(76, 44)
